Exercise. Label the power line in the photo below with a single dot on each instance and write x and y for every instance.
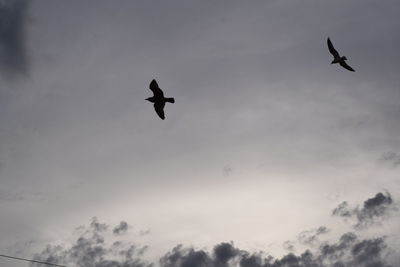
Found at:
(39, 262)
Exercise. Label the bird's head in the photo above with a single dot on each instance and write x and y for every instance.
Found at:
(148, 99)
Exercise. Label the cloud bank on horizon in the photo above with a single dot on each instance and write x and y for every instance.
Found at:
(91, 249)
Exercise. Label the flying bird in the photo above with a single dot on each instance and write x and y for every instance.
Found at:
(158, 99)
(337, 57)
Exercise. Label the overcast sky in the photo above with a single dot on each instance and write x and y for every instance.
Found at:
(265, 138)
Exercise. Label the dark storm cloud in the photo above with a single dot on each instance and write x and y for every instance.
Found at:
(372, 211)
(91, 250)
(391, 158)
(222, 255)
(121, 228)
(13, 55)
(224, 252)
(348, 251)
(186, 257)
(311, 237)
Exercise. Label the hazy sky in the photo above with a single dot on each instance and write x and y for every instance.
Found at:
(265, 139)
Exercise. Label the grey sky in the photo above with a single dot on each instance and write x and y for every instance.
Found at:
(254, 91)
(13, 58)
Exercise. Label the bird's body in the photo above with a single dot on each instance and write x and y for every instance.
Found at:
(337, 58)
(158, 99)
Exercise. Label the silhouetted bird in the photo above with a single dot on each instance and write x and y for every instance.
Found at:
(158, 99)
(337, 57)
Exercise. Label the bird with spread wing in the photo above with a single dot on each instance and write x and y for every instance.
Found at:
(158, 99)
(337, 58)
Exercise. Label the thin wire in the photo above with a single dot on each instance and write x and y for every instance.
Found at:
(40, 262)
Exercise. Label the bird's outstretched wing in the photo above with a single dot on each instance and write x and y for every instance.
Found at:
(156, 90)
(332, 49)
(159, 107)
(344, 65)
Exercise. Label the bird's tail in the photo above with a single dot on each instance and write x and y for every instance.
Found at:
(170, 100)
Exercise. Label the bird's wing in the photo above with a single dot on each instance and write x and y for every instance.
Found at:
(332, 49)
(344, 65)
(159, 107)
(156, 90)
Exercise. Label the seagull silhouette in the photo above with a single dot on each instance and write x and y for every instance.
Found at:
(337, 57)
(158, 99)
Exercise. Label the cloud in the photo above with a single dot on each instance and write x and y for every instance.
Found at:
(185, 257)
(348, 251)
(121, 228)
(289, 245)
(391, 158)
(13, 54)
(90, 249)
(223, 254)
(311, 237)
(98, 227)
(372, 211)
